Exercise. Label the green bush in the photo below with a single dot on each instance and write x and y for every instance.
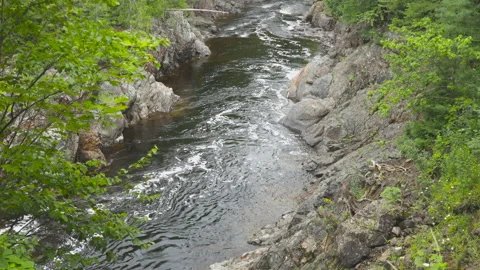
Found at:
(391, 194)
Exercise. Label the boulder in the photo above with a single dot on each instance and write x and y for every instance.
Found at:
(369, 228)
(152, 97)
(145, 97)
(306, 113)
(313, 80)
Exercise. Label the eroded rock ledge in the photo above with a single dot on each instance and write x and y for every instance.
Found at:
(344, 223)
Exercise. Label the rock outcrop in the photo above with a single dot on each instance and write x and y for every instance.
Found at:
(318, 18)
(149, 97)
(186, 43)
(145, 97)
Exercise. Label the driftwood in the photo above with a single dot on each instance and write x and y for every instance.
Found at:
(195, 9)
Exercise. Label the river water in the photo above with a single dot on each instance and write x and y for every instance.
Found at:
(225, 166)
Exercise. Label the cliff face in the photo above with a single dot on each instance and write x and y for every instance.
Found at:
(343, 221)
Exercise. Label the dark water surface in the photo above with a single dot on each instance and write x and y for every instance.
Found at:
(225, 166)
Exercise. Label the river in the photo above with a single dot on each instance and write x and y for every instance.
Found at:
(225, 166)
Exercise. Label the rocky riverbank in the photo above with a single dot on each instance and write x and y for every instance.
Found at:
(352, 216)
(187, 34)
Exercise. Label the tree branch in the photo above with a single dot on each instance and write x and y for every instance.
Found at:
(26, 109)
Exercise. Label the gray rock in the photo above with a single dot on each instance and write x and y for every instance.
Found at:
(313, 80)
(201, 49)
(271, 234)
(342, 140)
(317, 18)
(306, 113)
(352, 249)
(152, 97)
(348, 37)
(130, 92)
(313, 134)
(397, 231)
(185, 43)
(110, 128)
(369, 228)
(70, 146)
(324, 22)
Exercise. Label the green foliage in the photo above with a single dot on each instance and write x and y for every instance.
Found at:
(379, 12)
(15, 251)
(391, 194)
(351, 11)
(54, 55)
(426, 251)
(449, 239)
(460, 17)
(436, 78)
(424, 63)
(138, 14)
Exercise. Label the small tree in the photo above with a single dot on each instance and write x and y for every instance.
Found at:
(54, 54)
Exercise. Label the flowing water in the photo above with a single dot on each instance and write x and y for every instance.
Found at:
(225, 166)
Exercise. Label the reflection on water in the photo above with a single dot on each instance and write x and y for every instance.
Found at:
(225, 167)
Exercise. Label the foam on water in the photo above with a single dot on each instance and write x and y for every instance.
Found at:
(221, 118)
(268, 6)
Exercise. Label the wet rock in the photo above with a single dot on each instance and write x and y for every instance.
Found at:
(201, 49)
(213, 29)
(145, 97)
